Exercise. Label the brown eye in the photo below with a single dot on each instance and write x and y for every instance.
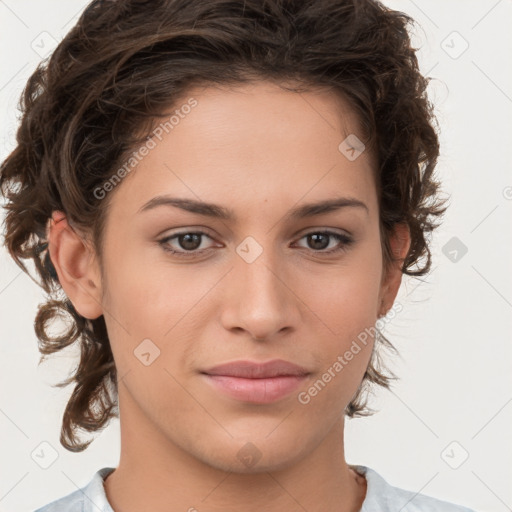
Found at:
(189, 241)
(318, 241)
(185, 243)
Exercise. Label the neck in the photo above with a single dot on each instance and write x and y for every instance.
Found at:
(155, 474)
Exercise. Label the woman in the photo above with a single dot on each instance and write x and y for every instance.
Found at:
(223, 197)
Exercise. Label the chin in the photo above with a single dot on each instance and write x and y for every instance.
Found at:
(252, 454)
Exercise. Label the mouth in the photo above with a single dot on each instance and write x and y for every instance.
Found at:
(254, 382)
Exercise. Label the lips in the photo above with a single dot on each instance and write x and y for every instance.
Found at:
(255, 370)
(255, 382)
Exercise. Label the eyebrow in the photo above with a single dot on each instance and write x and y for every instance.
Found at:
(221, 212)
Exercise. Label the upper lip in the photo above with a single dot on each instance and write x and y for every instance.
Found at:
(257, 370)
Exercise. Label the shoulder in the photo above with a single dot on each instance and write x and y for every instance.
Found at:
(90, 498)
(383, 497)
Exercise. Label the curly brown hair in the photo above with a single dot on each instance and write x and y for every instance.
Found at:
(126, 62)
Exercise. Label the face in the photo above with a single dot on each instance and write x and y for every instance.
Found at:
(257, 278)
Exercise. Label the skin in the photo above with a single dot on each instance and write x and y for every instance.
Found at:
(261, 151)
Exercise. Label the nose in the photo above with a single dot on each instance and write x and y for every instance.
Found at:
(259, 298)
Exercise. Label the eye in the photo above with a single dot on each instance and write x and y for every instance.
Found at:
(188, 243)
(319, 241)
(185, 242)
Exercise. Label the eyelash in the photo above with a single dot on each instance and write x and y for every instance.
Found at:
(345, 240)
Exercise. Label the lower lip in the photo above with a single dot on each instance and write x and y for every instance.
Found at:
(259, 391)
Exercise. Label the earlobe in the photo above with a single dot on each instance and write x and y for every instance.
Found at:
(76, 265)
(400, 242)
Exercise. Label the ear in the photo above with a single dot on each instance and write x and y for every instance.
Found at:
(399, 241)
(76, 265)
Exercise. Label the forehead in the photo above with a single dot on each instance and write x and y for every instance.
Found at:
(271, 108)
(253, 141)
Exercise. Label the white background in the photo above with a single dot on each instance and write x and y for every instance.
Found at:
(453, 333)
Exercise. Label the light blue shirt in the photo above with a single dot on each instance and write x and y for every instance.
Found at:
(380, 497)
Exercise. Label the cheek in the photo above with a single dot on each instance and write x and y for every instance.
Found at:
(345, 297)
(131, 305)
(344, 304)
(146, 296)
(158, 302)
